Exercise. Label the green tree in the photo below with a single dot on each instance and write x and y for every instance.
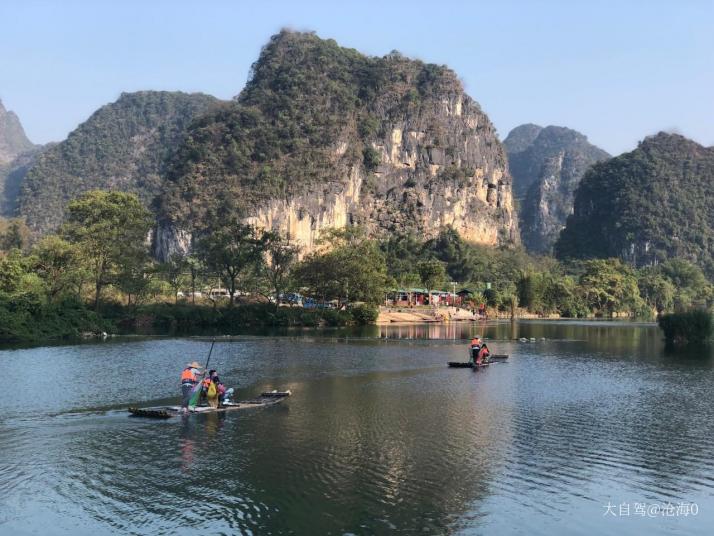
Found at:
(13, 268)
(531, 289)
(371, 158)
(455, 253)
(402, 252)
(408, 280)
(354, 269)
(432, 274)
(59, 264)
(610, 286)
(14, 234)
(176, 272)
(110, 230)
(135, 279)
(231, 250)
(689, 327)
(196, 269)
(319, 275)
(562, 294)
(656, 290)
(280, 257)
(508, 296)
(690, 283)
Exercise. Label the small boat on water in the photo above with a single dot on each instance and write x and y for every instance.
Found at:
(471, 364)
(467, 364)
(268, 398)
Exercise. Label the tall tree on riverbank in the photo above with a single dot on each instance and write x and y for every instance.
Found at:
(432, 274)
(280, 256)
(609, 286)
(110, 230)
(59, 264)
(176, 272)
(353, 269)
(232, 250)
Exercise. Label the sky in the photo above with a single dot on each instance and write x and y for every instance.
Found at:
(617, 71)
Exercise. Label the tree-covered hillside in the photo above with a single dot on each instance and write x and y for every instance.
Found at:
(370, 140)
(645, 206)
(12, 175)
(124, 146)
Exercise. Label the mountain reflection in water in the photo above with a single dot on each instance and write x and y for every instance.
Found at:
(379, 436)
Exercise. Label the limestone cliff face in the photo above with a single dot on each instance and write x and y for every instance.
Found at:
(416, 187)
(547, 165)
(390, 144)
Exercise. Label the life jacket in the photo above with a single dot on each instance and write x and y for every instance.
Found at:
(187, 376)
(206, 383)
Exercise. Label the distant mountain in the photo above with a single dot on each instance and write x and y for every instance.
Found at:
(645, 206)
(124, 145)
(323, 136)
(12, 175)
(13, 141)
(547, 165)
(517, 141)
(16, 154)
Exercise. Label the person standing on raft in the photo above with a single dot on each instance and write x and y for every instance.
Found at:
(189, 379)
(474, 348)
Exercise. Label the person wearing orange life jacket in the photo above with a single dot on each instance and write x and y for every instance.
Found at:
(189, 379)
(475, 348)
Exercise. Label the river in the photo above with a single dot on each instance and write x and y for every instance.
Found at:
(594, 428)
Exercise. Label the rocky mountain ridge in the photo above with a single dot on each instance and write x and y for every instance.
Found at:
(323, 136)
(547, 165)
(124, 145)
(13, 141)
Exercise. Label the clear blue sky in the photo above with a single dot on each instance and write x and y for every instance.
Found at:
(615, 70)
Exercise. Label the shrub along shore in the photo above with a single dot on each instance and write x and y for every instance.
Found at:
(72, 320)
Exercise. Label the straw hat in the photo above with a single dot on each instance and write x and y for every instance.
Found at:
(194, 365)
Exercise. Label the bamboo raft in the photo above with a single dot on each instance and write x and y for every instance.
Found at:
(268, 398)
(471, 364)
(467, 364)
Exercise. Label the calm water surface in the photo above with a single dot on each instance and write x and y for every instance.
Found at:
(379, 436)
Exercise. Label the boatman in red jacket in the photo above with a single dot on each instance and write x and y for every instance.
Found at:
(189, 379)
(475, 348)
